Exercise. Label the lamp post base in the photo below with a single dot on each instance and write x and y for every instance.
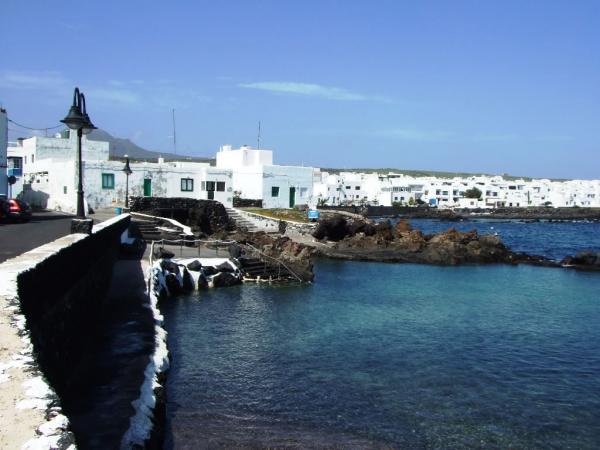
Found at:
(81, 226)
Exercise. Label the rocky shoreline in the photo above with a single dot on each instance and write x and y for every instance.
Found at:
(527, 214)
(351, 236)
(355, 239)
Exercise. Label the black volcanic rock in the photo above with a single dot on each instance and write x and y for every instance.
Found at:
(204, 216)
(225, 279)
(195, 266)
(332, 228)
(585, 260)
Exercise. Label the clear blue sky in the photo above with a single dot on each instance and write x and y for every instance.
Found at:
(480, 86)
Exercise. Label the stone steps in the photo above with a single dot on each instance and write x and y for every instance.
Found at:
(254, 268)
(240, 221)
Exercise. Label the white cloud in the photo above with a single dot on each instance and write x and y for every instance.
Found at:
(508, 137)
(45, 80)
(409, 134)
(158, 94)
(309, 89)
(111, 95)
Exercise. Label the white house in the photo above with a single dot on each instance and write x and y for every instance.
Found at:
(50, 176)
(256, 177)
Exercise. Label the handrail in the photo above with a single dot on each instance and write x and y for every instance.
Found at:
(274, 259)
(249, 246)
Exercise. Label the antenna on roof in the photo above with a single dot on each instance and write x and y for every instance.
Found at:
(258, 137)
(174, 135)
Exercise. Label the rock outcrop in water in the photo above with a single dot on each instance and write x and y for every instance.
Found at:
(585, 260)
(364, 240)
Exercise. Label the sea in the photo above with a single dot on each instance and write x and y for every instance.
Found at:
(396, 356)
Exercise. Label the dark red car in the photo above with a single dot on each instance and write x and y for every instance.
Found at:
(18, 210)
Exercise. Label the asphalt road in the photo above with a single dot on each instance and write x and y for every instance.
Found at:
(44, 227)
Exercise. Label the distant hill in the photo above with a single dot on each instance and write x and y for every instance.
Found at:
(119, 147)
(424, 173)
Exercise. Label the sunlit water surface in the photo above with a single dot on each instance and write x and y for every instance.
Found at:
(390, 356)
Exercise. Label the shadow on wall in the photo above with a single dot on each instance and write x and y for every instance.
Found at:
(37, 199)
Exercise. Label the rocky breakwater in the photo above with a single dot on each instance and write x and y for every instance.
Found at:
(357, 239)
(296, 256)
(585, 260)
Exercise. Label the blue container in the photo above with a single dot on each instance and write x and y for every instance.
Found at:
(118, 210)
(313, 214)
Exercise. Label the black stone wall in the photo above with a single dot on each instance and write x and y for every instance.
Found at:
(62, 300)
(206, 216)
(247, 203)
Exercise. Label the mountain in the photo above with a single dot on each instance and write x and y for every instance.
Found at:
(119, 147)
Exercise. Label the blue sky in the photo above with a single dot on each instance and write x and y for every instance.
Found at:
(496, 87)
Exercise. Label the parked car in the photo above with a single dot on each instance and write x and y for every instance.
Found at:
(4, 209)
(18, 210)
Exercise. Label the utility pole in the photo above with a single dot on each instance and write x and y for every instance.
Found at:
(258, 137)
(174, 134)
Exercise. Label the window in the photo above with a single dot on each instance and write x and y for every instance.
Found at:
(357, 188)
(187, 184)
(64, 189)
(203, 185)
(108, 181)
(32, 158)
(274, 191)
(220, 186)
(348, 187)
(210, 186)
(24, 159)
(303, 191)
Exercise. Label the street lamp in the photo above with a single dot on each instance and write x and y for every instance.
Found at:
(78, 119)
(127, 171)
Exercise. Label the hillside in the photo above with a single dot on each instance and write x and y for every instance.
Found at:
(119, 147)
(423, 173)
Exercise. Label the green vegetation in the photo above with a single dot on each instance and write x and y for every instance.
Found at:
(293, 215)
(473, 193)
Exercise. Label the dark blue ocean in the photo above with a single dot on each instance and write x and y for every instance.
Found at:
(390, 356)
(554, 240)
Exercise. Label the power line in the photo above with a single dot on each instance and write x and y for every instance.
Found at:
(34, 129)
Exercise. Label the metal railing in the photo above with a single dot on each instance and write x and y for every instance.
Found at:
(219, 243)
(277, 261)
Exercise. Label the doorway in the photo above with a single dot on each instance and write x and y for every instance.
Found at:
(147, 187)
(292, 197)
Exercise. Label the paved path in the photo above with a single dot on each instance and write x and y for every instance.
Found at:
(44, 227)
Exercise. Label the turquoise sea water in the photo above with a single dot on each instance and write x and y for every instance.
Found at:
(390, 356)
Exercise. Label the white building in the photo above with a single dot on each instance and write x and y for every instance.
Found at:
(350, 188)
(50, 176)
(3, 152)
(256, 177)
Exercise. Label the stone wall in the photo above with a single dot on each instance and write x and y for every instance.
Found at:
(247, 203)
(206, 216)
(61, 297)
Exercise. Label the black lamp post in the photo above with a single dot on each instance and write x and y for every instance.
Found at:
(78, 119)
(127, 171)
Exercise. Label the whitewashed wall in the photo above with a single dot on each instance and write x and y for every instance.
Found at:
(56, 186)
(286, 177)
